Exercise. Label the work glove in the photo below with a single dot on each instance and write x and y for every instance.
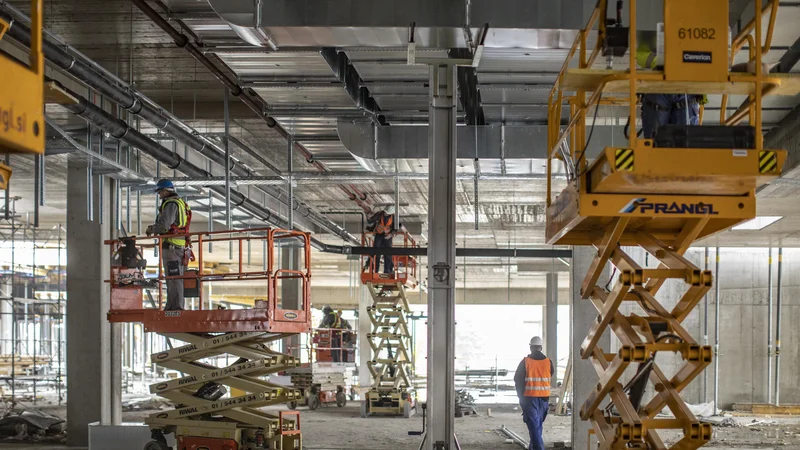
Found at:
(149, 230)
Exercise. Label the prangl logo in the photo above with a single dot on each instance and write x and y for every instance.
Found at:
(641, 205)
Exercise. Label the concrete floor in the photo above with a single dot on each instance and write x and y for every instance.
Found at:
(332, 428)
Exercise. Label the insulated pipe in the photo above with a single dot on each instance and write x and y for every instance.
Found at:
(778, 330)
(130, 100)
(120, 130)
(716, 334)
(769, 326)
(256, 104)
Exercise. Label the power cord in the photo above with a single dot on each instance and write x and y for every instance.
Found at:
(589, 139)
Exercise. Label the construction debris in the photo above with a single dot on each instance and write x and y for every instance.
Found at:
(30, 425)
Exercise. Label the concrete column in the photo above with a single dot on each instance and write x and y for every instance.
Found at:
(93, 381)
(584, 378)
(551, 321)
(291, 295)
(364, 328)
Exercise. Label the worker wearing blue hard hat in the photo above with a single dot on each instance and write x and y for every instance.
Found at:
(174, 218)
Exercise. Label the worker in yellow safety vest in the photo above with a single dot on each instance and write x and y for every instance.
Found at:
(665, 109)
(174, 218)
(382, 224)
(532, 381)
(334, 320)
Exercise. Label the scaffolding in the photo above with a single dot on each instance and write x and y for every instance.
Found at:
(32, 301)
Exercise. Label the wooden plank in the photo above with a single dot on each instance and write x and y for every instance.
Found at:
(590, 79)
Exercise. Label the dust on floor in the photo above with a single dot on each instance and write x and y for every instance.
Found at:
(332, 428)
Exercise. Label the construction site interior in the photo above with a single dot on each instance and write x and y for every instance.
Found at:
(358, 224)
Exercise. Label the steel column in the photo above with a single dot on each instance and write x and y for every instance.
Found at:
(716, 334)
(778, 329)
(551, 321)
(769, 325)
(441, 257)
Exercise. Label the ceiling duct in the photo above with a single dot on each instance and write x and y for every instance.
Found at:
(482, 142)
(534, 24)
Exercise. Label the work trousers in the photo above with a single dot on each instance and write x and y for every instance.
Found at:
(667, 109)
(174, 286)
(336, 343)
(383, 241)
(534, 411)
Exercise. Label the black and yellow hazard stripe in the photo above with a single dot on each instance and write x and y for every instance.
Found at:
(767, 162)
(624, 160)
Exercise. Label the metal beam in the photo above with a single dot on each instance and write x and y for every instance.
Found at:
(789, 59)
(548, 253)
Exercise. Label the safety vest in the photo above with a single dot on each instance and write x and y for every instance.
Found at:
(182, 221)
(537, 377)
(337, 321)
(384, 224)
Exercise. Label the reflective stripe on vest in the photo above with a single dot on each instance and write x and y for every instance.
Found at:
(384, 224)
(337, 323)
(537, 377)
(180, 221)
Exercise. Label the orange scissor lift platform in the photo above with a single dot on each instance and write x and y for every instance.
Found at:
(660, 200)
(204, 416)
(405, 267)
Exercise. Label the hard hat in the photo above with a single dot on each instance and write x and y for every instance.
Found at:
(536, 341)
(164, 184)
(327, 309)
(390, 209)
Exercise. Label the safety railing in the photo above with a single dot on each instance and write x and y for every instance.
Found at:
(404, 266)
(572, 89)
(130, 274)
(325, 348)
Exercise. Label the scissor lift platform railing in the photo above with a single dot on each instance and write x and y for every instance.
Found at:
(405, 267)
(127, 301)
(660, 200)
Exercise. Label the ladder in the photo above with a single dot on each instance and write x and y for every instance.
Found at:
(391, 392)
(202, 416)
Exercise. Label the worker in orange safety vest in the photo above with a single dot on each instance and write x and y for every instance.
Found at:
(382, 224)
(532, 380)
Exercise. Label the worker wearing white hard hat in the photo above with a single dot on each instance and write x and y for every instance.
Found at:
(382, 224)
(532, 381)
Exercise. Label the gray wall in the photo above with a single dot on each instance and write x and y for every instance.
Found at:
(743, 326)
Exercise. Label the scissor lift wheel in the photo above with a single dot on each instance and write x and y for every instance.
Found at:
(390, 339)
(203, 415)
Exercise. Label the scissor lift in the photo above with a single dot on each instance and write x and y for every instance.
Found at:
(392, 392)
(203, 417)
(660, 200)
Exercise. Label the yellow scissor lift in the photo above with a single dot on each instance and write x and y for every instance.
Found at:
(658, 199)
(22, 104)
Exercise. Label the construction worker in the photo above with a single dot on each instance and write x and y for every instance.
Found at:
(333, 320)
(532, 380)
(665, 109)
(174, 217)
(382, 224)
